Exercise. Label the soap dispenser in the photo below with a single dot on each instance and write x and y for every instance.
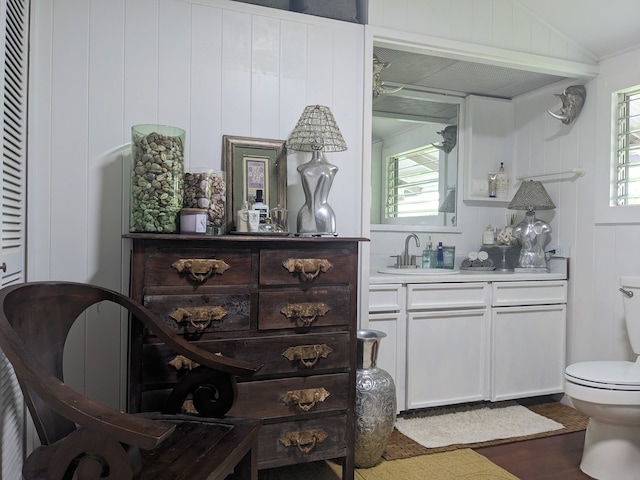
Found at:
(428, 256)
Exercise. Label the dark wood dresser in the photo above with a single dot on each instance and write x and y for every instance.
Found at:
(288, 303)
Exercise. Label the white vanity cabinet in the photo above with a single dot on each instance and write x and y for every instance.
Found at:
(446, 357)
(387, 314)
(527, 338)
(459, 340)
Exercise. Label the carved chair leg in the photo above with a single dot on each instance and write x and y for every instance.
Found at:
(88, 455)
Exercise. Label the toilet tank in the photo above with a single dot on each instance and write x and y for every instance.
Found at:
(632, 310)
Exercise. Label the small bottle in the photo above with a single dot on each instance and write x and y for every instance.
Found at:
(502, 183)
(440, 256)
(427, 255)
(488, 236)
(260, 206)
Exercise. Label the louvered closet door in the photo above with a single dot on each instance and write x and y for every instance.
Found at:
(14, 21)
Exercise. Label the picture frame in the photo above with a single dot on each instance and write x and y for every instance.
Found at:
(251, 164)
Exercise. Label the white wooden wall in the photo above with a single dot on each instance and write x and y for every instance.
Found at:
(212, 67)
(217, 67)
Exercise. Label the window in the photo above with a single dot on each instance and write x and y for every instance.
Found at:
(413, 183)
(627, 149)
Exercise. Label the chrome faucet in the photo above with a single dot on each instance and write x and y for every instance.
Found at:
(407, 261)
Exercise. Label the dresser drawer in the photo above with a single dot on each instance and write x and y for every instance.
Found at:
(540, 292)
(197, 266)
(280, 355)
(317, 307)
(308, 266)
(302, 441)
(430, 296)
(291, 397)
(202, 313)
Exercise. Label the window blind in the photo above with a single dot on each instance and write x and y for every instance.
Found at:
(628, 148)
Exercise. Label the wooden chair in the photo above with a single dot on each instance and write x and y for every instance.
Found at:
(89, 440)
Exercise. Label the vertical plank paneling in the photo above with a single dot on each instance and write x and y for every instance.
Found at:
(174, 58)
(69, 165)
(502, 22)
(521, 22)
(39, 142)
(347, 107)
(236, 73)
(140, 64)
(265, 82)
(462, 18)
(105, 196)
(69, 140)
(206, 88)
(482, 22)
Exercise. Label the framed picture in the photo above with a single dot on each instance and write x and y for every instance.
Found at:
(253, 164)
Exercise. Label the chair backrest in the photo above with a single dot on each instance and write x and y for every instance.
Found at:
(35, 319)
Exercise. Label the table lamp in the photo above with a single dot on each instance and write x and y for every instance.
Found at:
(316, 132)
(449, 204)
(532, 233)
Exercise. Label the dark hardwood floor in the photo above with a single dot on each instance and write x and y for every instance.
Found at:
(550, 458)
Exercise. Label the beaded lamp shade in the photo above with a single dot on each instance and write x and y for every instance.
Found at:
(531, 196)
(316, 130)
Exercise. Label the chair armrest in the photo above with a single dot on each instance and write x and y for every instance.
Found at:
(124, 427)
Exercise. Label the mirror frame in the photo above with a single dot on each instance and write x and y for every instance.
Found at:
(436, 97)
(236, 151)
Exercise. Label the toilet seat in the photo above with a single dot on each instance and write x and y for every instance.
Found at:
(608, 375)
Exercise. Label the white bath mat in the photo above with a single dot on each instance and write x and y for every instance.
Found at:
(474, 426)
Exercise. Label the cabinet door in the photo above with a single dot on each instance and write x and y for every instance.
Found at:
(391, 353)
(446, 357)
(528, 354)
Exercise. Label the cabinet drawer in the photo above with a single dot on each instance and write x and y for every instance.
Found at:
(279, 355)
(318, 307)
(326, 439)
(385, 298)
(308, 266)
(171, 267)
(447, 295)
(291, 397)
(188, 314)
(540, 292)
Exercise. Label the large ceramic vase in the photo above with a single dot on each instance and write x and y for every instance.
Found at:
(375, 401)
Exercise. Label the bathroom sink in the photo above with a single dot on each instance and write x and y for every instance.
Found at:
(418, 271)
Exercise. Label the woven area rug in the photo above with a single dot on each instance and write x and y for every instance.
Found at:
(401, 446)
(462, 464)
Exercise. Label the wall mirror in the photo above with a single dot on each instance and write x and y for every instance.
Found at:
(424, 87)
(414, 160)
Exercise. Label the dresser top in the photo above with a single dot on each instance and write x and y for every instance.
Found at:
(239, 238)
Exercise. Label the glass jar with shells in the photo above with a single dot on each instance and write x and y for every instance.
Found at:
(207, 188)
(157, 178)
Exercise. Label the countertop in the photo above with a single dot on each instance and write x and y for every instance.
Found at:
(558, 268)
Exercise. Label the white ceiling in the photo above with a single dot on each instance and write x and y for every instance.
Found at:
(600, 27)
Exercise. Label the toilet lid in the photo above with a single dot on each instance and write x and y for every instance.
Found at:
(606, 374)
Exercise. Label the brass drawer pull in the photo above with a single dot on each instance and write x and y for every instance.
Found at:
(199, 317)
(200, 268)
(180, 361)
(306, 399)
(305, 440)
(309, 268)
(305, 313)
(307, 355)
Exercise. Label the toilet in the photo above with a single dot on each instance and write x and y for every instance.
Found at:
(608, 392)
